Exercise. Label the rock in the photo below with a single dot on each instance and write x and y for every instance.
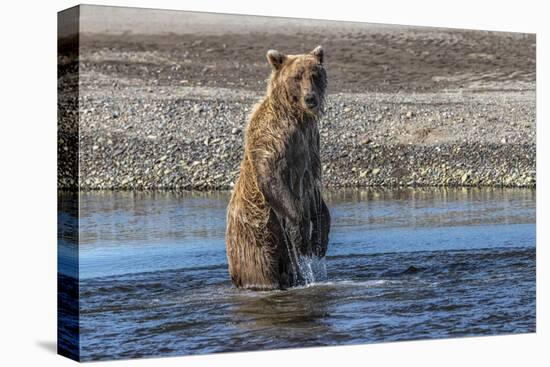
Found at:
(235, 131)
(409, 114)
(375, 171)
(464, 178)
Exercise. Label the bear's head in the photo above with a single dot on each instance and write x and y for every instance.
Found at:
(298, 82)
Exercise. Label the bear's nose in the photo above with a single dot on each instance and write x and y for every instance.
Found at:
(310, 100)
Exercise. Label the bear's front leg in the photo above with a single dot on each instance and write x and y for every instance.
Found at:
(320, 219)
(288, 208)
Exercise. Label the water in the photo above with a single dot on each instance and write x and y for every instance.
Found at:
(401, 265)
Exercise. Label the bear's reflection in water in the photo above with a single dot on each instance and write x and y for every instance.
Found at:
(301, 312)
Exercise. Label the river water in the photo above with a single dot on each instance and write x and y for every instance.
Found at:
(401, 265)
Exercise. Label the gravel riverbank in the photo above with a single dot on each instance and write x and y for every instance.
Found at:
(192, 139)
(412, 107)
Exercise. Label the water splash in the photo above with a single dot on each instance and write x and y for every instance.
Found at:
(313, 269)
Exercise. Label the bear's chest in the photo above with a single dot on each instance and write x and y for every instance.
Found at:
(301, 157)
(301, 147)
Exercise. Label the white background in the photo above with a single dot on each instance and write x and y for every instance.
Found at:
(28, 182)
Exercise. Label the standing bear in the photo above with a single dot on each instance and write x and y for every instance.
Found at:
(276, 215)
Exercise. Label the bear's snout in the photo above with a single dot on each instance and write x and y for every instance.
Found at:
(310, 100)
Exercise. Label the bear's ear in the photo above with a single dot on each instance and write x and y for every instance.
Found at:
(275, 58)
(318, 53)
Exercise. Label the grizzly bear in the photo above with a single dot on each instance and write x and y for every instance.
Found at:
(276, 216)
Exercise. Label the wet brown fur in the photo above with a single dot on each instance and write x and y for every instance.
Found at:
(276, 212)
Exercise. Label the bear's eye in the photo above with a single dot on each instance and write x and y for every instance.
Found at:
(316, 71)
(298, 76)
(315, 75)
